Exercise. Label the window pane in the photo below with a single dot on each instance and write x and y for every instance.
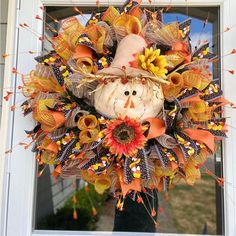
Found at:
(196, 210)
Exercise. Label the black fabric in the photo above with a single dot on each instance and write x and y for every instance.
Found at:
(134, 217)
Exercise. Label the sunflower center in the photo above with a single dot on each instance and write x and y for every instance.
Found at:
(123, 134)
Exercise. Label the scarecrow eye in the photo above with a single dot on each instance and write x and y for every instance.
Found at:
(126, 93)
(134, 93)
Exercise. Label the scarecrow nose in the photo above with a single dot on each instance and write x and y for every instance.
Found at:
(129, 103)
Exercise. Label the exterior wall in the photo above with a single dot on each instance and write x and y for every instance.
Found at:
(3, 33)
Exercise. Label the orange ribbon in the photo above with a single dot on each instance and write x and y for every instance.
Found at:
(202, 136)
(134, 185)
(180, 155)
(49, 145)
(56, 120)
(82, 51)
(224, 102)
(57, 171)
(182, 47)
(195, 98)
(157, 127)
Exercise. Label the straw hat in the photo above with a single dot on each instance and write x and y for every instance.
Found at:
(125, 53)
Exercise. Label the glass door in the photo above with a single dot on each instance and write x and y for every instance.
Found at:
(54, 200)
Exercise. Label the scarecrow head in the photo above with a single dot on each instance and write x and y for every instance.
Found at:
(128, 91)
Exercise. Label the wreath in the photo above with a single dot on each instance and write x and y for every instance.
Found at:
(125, 103)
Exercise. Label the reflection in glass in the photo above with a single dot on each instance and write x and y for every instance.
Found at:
(188, 209)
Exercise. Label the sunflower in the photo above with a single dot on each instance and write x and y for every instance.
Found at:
(124, 136)
(153, 62)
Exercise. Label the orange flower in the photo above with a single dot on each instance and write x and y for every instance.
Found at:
(124, 136)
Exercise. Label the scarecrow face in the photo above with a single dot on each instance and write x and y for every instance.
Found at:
(133, 99)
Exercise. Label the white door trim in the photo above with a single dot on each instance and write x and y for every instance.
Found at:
(145, 2)
(81, 233)
(17, 174)
(17, 168)
(6, 115)
(228, 18)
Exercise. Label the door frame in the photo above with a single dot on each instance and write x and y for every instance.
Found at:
(17, 169)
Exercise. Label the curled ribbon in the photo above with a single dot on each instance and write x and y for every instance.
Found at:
(176, 84)
(88, 135)
(83, 58)
(87, 122)
(49, 145)
(89, 127)
(50, 120)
